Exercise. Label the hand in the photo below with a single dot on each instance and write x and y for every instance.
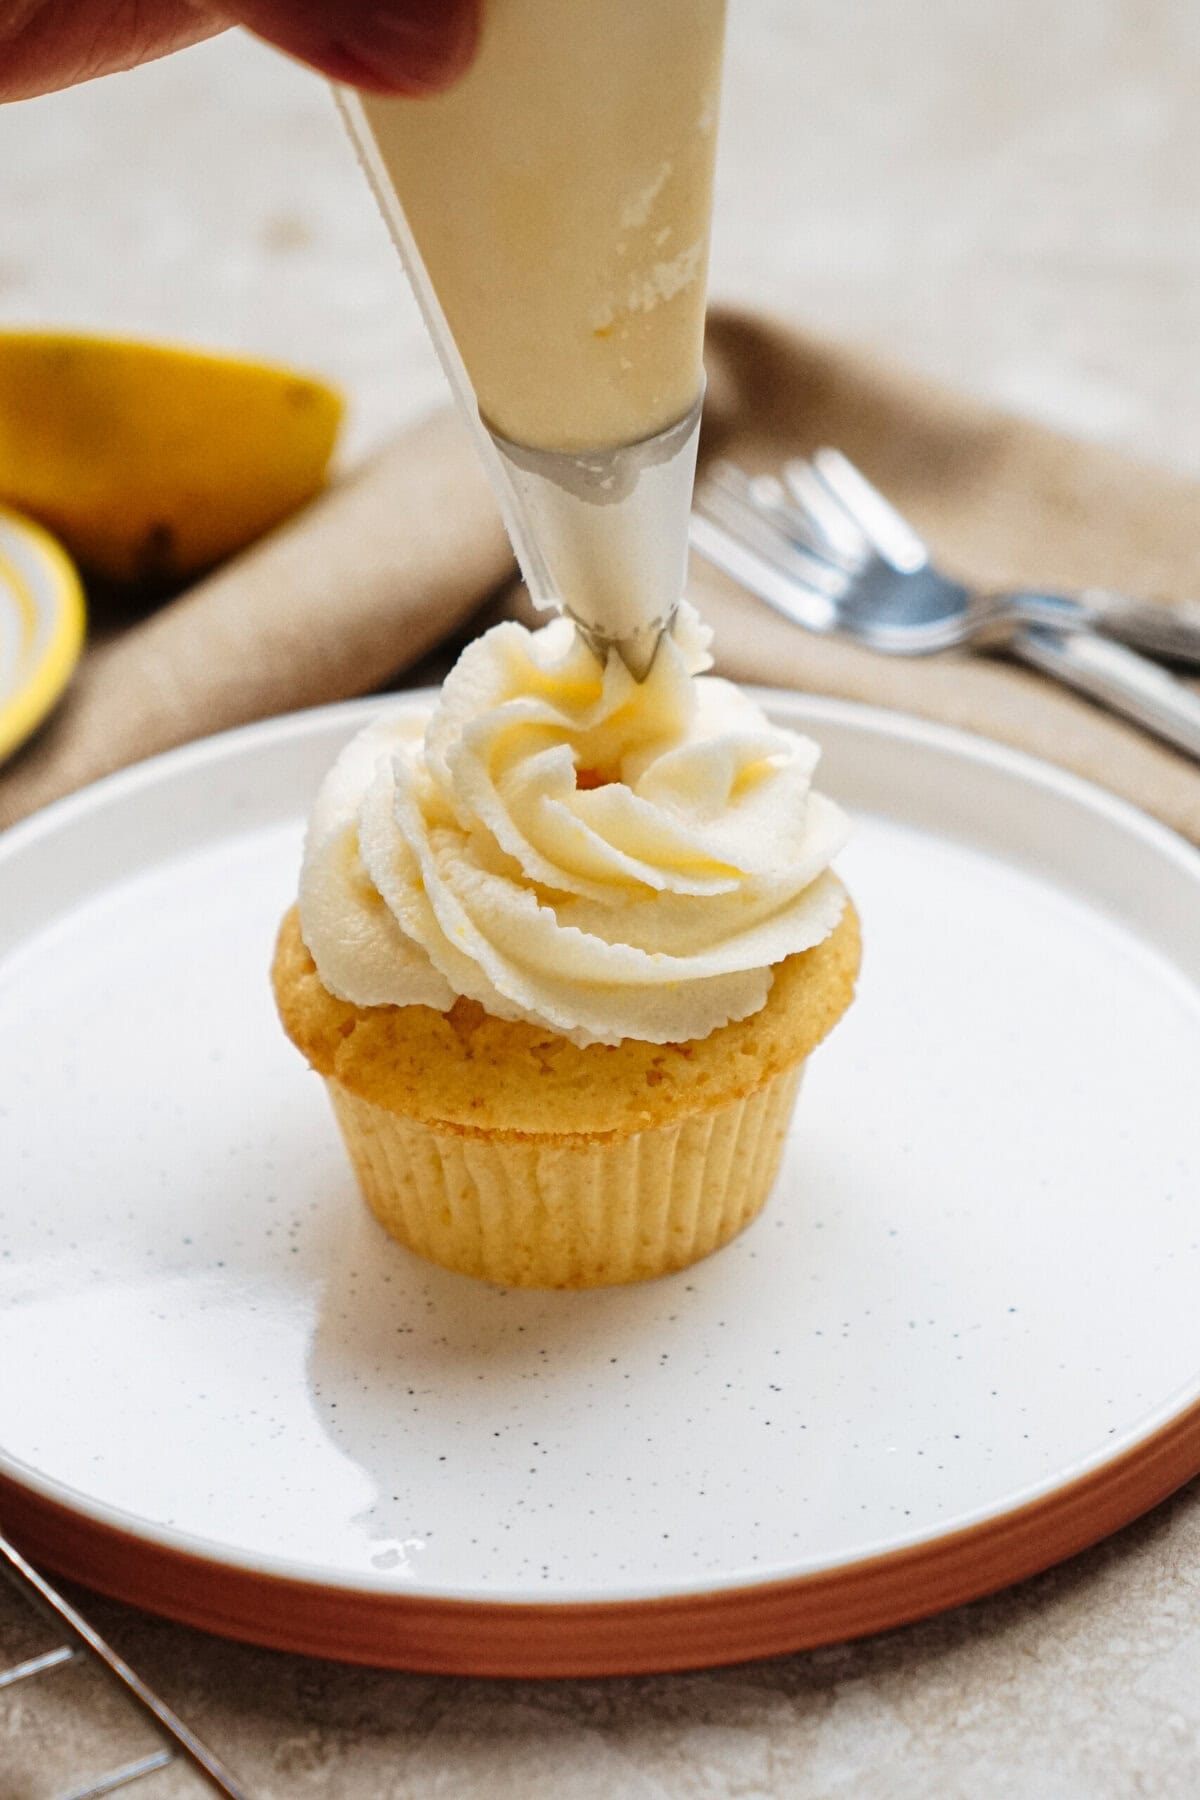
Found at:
(389, 46)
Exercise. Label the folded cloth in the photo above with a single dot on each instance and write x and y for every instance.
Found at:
(408, 550)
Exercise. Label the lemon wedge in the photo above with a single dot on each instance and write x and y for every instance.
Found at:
(151, 462)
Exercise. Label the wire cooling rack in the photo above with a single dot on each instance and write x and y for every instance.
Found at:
(81, 1640)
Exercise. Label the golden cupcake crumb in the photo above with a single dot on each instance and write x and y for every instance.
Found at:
(465, 1072)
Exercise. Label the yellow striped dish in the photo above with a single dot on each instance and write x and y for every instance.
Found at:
(42, 619)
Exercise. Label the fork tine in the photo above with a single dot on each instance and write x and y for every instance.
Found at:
(725, 500)
(730, 477)
(815, 522)
(768, 493)
(825, 512)
(834, 538)
(891, 535)
(759, 574)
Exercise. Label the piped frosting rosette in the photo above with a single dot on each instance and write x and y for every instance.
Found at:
(600, 858)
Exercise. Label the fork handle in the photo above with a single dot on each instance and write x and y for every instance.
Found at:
(1168, 629)
(1118, 678)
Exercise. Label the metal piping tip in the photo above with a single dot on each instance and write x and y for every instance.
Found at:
(608, 532)
(637, 651)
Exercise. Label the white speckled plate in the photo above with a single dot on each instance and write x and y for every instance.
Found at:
(961, 1342)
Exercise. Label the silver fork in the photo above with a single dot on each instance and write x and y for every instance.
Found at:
(824, 548)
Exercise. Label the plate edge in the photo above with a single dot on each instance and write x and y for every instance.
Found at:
(954, 739)
(580, 1639)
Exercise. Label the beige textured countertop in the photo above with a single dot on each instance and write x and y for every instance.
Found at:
(1008, 197)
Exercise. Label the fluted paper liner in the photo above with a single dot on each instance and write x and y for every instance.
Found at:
(568, 1213)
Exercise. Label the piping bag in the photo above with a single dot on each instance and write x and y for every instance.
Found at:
(552, 211)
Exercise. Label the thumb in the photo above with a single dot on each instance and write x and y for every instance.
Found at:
(388, 46)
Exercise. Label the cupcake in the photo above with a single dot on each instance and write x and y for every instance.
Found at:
(562, 949)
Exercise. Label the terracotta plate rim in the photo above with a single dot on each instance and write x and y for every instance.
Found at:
(439, 1635)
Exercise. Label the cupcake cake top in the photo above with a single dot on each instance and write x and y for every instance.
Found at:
(568, 847)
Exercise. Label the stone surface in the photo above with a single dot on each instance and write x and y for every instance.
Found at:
(1008, 197)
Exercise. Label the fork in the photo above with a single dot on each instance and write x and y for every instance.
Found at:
(824, 548)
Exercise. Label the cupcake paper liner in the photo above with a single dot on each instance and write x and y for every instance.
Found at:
(553, 1213)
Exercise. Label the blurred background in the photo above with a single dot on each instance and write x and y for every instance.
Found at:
(1005, 197)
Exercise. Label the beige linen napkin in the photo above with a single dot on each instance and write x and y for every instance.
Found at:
(404, 553)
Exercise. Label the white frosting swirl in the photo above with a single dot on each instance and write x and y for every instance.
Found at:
(568, 847)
